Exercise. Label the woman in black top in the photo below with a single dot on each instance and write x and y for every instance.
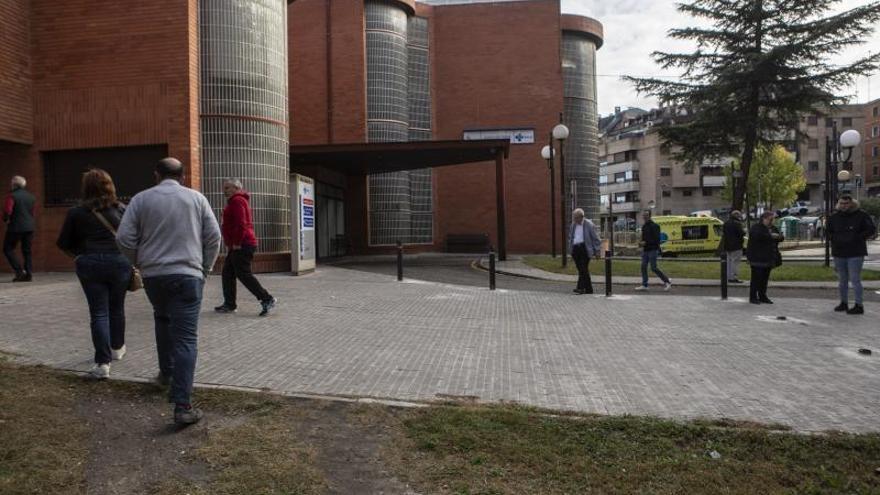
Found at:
(763, 254)
(102, 270)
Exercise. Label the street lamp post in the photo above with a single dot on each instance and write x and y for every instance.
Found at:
(834, 145)
(547, 154)
(560, 133)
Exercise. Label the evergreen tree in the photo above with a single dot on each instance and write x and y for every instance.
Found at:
(758, 67)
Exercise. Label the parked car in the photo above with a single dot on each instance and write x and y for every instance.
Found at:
(800, 208)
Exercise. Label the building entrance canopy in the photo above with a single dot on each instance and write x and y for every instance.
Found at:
(362, 159)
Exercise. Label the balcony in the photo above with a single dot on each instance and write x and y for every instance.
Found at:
(714, 180)
(619, 187)
(615, 168)
(628, 207)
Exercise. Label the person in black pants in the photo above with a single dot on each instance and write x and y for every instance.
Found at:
(88, 234)
(18, 213)
(585, 244)
(763, 254)
(241, 243)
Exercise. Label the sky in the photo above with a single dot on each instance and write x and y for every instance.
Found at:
(635, 28)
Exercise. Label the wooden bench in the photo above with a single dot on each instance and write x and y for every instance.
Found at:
(467, 243)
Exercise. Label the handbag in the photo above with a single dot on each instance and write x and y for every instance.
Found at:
(137, 281)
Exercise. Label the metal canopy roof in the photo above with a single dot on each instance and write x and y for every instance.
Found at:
(372, 158)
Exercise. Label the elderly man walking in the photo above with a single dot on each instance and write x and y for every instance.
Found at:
(170, 233)
(849, 229)
(241, 243)
(585, 244)
(18, 213)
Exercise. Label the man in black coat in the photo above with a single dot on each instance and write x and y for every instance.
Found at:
(849, 229)
(732, 245)
(650, 243)
(18, 213)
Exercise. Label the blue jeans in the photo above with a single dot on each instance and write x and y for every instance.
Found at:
(849, 270)
(176, 301)
(104, 279)
(651, 257)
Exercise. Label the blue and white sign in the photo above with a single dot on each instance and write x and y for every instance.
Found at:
(515, 136)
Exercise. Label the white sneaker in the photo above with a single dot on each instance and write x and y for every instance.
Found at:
(100, 371)
(641, 287)
(118, 354)
(667, 286)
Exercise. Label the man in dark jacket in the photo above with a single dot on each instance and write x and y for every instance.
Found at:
(241, 243)
(733, 245)
(651, 251)
(849, 228)
(18, 213)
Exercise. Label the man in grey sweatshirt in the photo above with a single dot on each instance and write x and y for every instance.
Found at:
(171, 234)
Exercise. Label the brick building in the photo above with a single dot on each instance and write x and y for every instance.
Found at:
(418, 122)
(871, 138)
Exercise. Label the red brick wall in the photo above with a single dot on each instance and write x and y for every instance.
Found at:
(16, 112)
(108, 73)
(497, 66)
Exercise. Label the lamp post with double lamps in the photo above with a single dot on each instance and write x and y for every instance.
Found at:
(547, 154)
(560, 133)
(834, 146)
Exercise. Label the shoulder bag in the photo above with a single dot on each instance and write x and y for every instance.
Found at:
(137, 281)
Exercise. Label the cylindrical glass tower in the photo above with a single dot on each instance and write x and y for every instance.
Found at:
(581, 117)
(244, 110)
(420, 128)
(388, 117)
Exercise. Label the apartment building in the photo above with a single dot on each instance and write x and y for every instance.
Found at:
(871, 148)
(637, 173)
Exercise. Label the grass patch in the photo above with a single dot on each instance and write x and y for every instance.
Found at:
(794, 271)
(508, 450)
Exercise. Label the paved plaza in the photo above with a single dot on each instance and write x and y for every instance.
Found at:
(351, 333)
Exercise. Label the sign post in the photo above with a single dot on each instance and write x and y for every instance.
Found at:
(302, 195)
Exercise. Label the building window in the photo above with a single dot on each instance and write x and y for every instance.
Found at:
(812, 120)
(707, 191)
(603, 179)
(874, 152)
(687, 193)
(876, 111)
(689, 170)
(665, 172)
(667, 212)
(876, 170)
(875, 131)
(829, 122)
(131, 168)
(814, 144)
(813, 166)
(667, 194)
(847, 121)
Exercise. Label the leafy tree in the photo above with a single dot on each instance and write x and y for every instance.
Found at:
(775, 179)
(871, 205)
(758, 67)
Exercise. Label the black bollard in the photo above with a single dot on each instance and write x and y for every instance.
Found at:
(724, 276)
(491, 269)
(399, 261)
(608, 273)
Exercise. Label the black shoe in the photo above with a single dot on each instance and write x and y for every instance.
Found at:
(225, 308)
(765, 300)
(734, 281)
(754, 301)
(27, 277)
(587, 291)
(857, 309)
(268, 304)
(187, 415)
(841, 307)
(579, 291)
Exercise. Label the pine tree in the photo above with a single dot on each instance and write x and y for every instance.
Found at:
(758, 67)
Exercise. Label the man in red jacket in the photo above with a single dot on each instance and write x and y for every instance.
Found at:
(241, 242)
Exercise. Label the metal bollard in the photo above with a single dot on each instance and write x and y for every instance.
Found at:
(724, 277)
(399, 261)
(491, 269)
(608, 273)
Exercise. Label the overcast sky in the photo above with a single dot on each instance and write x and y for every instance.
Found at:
(635, 28)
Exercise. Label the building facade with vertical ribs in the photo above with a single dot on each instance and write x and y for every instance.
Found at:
(260, 89)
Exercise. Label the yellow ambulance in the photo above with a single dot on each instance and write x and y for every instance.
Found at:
(680, 234)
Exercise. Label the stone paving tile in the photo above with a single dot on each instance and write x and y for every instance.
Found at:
(344, 332)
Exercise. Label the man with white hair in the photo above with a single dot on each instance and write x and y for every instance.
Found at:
(585, 244)
(18, 214)
(241, 243)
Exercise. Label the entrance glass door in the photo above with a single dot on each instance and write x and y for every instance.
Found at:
(330, 222)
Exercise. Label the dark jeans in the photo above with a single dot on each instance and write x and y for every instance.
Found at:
(650, 257)
(759, 281)
(10, 242)
(238, 266)
(582, 262)
(104, 279)
(176, 301)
